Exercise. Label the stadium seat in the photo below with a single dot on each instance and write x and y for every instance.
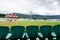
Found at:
(46, 31)
(17, 32)
(4, 30)
(32, 32)
(56, 30)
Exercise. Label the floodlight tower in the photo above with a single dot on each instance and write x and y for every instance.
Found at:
(31, 14)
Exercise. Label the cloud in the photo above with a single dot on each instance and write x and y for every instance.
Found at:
(47, 7)
(42, 7)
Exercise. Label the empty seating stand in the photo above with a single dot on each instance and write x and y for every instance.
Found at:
(44, 32)
(3, 32)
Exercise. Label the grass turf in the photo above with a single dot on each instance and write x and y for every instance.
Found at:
(22, 23)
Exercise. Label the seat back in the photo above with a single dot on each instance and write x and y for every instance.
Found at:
(56, 29)
(17, 32)
(4, 30)
(32, 31)
(46, 30)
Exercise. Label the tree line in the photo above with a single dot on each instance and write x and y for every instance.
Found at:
(2, 15)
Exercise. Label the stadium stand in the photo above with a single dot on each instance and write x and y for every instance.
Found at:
(17, 32)
(32, 32)
(46, 31)
(3, 32)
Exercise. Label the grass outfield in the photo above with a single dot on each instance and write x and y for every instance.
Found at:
(9, 24)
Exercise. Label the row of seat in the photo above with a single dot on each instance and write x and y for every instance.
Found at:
(44, 32)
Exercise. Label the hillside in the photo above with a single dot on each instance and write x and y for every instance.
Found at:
(34, 16)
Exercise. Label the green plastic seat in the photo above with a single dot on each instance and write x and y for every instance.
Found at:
(17, 32)
(4, 30)
(56, 29)
(46, 31)
(32, 31)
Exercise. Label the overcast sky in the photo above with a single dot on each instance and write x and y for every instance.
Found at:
(42, 7)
